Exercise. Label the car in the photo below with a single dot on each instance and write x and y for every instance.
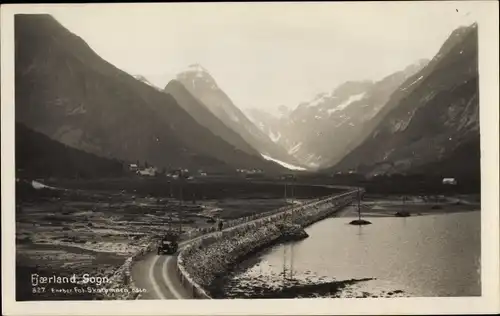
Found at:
(168, 244)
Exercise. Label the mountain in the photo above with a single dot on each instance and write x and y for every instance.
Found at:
(323, 130)
(203, 86)
(67, 92)
(268, 123)
(431, 123)
(146, 81)
(39, 156)
(204, 117)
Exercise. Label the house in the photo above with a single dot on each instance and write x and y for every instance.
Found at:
(133, 167)
(451, 181)
(151, 172)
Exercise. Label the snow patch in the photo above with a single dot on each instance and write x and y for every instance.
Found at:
(343, 121)
(320, 98)
(274, 137)
(346, 103)
(312, 160)
(294, 149)
(195, 68)
(414, 82)
(284, 164)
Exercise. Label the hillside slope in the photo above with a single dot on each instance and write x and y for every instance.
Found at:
(323, 130)
(66, 91)
(204, 117)
(203, 86)
(39, 156)
(432, 120)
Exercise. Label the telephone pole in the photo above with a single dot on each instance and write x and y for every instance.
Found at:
(181, 182)
(359, 205)
(285, 214)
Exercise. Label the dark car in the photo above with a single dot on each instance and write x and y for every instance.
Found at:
(168, 244)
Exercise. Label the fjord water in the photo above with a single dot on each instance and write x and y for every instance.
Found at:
(430, 255)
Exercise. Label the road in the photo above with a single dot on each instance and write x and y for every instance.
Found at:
(157, 274)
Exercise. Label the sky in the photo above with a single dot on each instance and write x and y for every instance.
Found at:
(264, 55)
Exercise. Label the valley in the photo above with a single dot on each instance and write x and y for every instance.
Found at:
(107, 163)
(92, 227)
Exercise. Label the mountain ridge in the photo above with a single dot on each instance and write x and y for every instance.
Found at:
(430, 117)
(83, 101)
(200, 83)
(321, 131)
(203, 115)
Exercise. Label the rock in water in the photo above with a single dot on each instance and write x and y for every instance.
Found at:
(290, 232)
(359, 222)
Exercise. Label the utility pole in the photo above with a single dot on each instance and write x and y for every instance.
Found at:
(284, 265)
(284, 246)
(293, 204)
(181, 181)
(359, 205)
(285, 191)
(285, 214)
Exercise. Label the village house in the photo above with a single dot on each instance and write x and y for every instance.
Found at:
(150, 171)
(451, 181)
(133, 167)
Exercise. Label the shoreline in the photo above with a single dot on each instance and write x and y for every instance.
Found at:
(205, 264)
(245, 281)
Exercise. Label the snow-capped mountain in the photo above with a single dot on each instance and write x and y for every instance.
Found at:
(146, 81)
(323, 130)
(432, 121)
(203, 86)
(79, 99)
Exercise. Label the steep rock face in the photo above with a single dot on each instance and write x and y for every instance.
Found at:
(203, 86)
(204, 117)
(66, 91)
(322, 131)
(269, 124)
(430, 119)
(146, 81)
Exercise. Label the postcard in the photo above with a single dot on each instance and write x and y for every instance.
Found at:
(294, 158)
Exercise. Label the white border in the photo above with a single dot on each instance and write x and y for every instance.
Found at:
(487, 18)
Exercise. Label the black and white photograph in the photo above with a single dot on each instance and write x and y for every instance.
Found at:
(228, 152)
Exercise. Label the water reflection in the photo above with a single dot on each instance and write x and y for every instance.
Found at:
(431, 255)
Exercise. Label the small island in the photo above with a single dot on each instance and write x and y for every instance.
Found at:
(359, 222)
(402, 214)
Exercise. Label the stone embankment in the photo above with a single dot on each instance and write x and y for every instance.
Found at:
(202, 261)
(121, 285)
